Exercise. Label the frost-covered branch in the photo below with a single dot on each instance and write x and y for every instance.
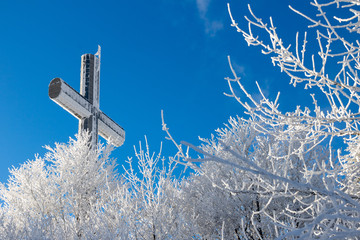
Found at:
(336, 51)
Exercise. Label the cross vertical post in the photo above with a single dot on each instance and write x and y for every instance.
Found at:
(89, 89)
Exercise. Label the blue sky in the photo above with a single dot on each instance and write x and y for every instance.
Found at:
(156, 55)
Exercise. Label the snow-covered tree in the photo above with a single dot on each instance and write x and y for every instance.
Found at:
(155, 193)
(73, 192)
(280, 174)
(234, 193)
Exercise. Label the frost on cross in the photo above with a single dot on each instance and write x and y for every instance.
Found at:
(85, 106)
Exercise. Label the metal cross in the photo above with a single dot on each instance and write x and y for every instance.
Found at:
(85, 106)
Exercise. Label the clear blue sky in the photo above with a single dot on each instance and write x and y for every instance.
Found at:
(160, 54)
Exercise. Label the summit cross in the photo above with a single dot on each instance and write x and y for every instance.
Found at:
(85, 105)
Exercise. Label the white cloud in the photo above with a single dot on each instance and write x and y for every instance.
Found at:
(211, 26)
(202, 6)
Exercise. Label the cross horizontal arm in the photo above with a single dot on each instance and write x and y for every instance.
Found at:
(110, 130)
(64, 95)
